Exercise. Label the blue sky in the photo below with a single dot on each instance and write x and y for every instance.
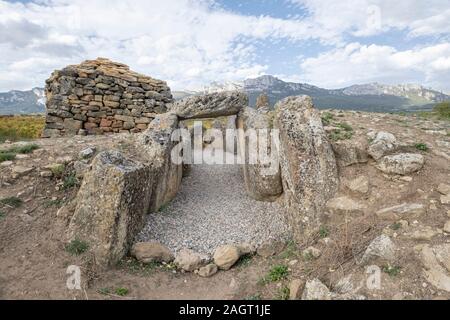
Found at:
(192, 43)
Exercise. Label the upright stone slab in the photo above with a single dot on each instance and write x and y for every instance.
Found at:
(121, 188)
(111, 206)
(262, 180)
(308, 164)
(210, 105)
(157, 144)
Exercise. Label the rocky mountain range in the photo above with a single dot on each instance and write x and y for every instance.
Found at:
(22, 102)
(365, 97)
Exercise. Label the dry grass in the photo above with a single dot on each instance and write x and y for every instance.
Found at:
(347, 242)
(21, 127)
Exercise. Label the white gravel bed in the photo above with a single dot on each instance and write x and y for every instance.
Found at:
(211, 209)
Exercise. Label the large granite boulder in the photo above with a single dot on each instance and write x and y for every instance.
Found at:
(263, 176)
(308, 164)
(210, 105)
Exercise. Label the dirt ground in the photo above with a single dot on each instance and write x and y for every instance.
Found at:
(34, 261)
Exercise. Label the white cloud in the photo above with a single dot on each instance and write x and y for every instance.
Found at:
(191, 43)
(369, 17)
(356, 63)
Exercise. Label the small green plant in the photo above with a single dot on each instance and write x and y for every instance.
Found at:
(70, 181)
(392, 271)
(244, 261)
(276, 273)
(25, 149)
(58, 170)
(2, 214)
(283, 293)
(133, 266)
(13, 202)
(7, 156)
(53, 203)
(442, 110)
(345, 126)
(396, 226)
(338, 134)
(104, 291)
(77, 247)
(327, 117)
(289, 251)
(254, 297)
(121, 292)
(323, 232)
(421, 147)
(308, 256)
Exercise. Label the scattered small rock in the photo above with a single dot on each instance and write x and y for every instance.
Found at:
(316, 290)
(404, 163)
(5, 164)
(444, 189)
(46, 174)
(87, 153)
(271, 248)
(382, 143)
(381, 248)
(447, 227)
(208, 270)
(151, 252)
(395, 213)
(296, 289)
(312, 252)
(359, 185)
(445, 199)
(188, 260)
(21, 171)
(425, 233)
(344, 205)
(226, 256)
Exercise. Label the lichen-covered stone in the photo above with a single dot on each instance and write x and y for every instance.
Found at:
(210, 105)
(262, 180)
(308, 164)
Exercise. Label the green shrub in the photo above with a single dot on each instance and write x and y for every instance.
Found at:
(70, 181)
(421, 146)
(77, 247)
(391, 270)
(277, 273)
(7, 156)
(12, 202)
(327, 117)
(58, 170)
(323, 232)
(121, 292)
(443, 110)
(283, 293)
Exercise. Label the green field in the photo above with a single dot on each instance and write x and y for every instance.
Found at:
(16, 128)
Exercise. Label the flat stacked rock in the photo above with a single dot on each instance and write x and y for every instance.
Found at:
(100, 96)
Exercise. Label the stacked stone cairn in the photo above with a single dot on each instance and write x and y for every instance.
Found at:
(100, 96)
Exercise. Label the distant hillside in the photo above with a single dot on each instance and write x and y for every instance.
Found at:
(22, 102)
(367, 97)
(373, 97)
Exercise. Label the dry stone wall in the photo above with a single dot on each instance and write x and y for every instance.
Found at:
(101, 96)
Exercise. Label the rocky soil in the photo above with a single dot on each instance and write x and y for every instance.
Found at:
(392, 213)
